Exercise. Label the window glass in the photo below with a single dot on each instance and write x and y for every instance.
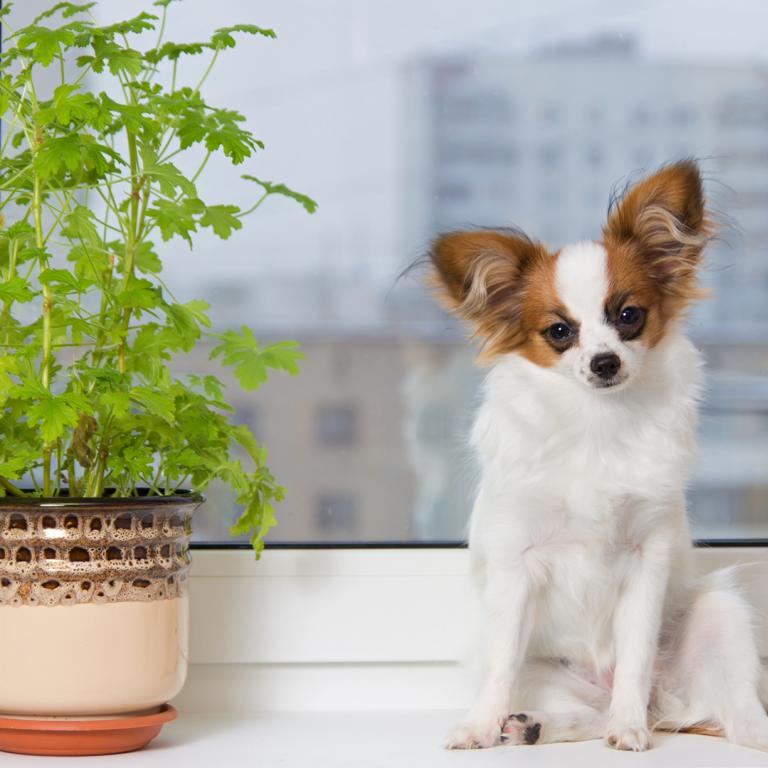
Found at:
(403, 123)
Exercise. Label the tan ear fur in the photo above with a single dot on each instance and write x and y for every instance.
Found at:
(480, 276)
(662, 223)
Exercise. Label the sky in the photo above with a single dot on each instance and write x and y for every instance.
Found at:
(326, 97)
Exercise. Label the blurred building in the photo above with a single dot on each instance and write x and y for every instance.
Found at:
(540, 141)
(370, 438)
(543, 142)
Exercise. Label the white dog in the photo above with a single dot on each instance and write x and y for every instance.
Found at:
(593, 624)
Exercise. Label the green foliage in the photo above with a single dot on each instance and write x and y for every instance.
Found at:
(270, 188)
(250, 361)
(91, 186)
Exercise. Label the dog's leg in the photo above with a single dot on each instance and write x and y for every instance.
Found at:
(762, 688)
(715, 670)
(637, 622)
(549, 727)
(558, 704)
(506, 629)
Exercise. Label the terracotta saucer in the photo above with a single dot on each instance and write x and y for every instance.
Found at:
(29, 736)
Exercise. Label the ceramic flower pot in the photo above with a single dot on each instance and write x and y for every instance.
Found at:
(93, 604)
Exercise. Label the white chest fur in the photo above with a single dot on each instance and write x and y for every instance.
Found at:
(574, 482)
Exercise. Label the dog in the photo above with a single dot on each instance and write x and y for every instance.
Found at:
(593, 623)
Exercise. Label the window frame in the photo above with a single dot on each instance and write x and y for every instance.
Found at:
(353, 628)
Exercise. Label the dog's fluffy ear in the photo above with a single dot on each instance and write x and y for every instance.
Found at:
(663, 220)
(478, 275)
(477, 272)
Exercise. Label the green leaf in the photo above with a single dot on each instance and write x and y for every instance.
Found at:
(187, 318)
(55, 413)
(142, 23)
(58, 154)
(173, 51)
(14, 468)
(250, 361)
(43, 43)
(8, 368)
(169, 178)
(118, 402)
(176, 219)
(137, 118)
(222, 37)
(20, 230)
(16, 289)
(157, 403)
(140, 294)
(67, 106)
(80, 224)
(118, 59)
(222, 219)
(67, 10)
(78, 153)
(219, 129)
(146, 260)
(62, 279)
(243, 436)
(270, 188)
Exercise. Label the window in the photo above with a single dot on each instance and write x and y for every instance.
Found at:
(336, 425)
(447, 123)
(594, 155)
(336, 514)
(550, 156)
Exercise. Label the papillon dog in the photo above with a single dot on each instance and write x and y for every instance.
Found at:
(593, 623)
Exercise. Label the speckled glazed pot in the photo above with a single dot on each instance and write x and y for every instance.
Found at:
(93, 604)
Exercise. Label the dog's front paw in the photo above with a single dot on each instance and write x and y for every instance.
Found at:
(521, 729)
(628, 736)
(474, 735)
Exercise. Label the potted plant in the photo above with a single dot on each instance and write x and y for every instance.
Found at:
(101, 443)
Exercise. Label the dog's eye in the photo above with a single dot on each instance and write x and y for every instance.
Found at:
(631, 316)
(559, 332)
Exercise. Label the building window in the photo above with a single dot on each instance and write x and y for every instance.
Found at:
(251, 416)
(336, 513)
(453, 193)
(642, 116)
(336, 425)
(551, 114)
(681, 115)
(550, 155)
(595, 155)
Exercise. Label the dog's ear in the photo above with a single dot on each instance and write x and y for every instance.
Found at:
(663, 220)
(478, 276)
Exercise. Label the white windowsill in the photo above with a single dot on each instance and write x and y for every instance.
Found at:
(315, 658)
(382, 740)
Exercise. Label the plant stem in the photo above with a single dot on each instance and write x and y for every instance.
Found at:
(202, 166)
(64, 209)
(208, 70)
(6, 315)
(254, 206)
(71, 476)
(130, 246)
(11, 488)
(45, 362)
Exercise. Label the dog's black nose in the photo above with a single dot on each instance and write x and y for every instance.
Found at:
(606, 366)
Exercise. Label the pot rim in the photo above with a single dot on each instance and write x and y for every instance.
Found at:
(64, 500)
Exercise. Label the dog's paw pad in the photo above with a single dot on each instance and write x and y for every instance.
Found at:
(632, 738)
(520, 729)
